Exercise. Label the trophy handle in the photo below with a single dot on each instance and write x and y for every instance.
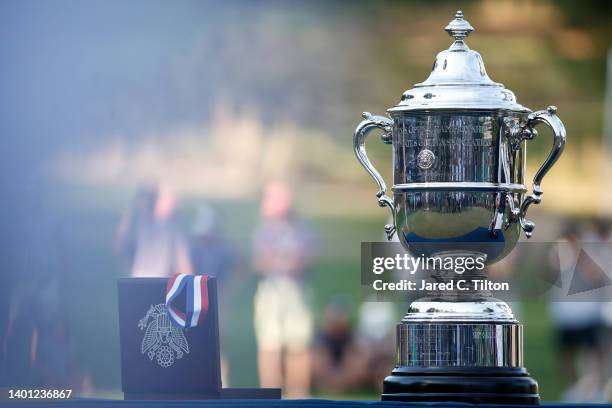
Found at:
(527, 132)
(370, 123)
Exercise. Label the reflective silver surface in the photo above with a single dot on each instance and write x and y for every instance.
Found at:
(526, 131)
(436, 310)
(459, 185)
(461, 195)
(458, 80)
(459, 150)
(370, 123)
(459, 173)
(459, 345)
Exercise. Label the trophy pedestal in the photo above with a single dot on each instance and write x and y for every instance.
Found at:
(460, 351)
(461, 384)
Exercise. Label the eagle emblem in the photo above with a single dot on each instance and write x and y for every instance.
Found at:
(162, 341)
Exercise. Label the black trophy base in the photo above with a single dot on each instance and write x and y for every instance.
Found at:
(476, 385)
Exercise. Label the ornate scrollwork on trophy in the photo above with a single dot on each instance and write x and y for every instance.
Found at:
(516, 133)
(370, 123)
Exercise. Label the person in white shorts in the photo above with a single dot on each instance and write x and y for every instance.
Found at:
(282, 253)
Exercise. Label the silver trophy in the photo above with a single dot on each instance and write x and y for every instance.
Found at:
(459, 148)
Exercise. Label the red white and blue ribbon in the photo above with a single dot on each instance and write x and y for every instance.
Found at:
(193, 288)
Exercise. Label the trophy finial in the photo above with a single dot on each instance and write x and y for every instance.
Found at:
(459, 28)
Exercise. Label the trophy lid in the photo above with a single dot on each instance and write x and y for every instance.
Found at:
(458, 80)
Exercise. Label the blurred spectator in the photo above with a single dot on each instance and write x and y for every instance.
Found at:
(141, 212)
(376, 332)
(38, 341)
(213, 255)
(339, 362)
(601, 251)
(282, 253)
(578, 324)
(150, 236)
(52, 359)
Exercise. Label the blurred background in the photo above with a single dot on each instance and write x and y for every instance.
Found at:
(204, 108)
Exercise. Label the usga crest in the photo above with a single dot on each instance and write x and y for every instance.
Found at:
(162, 340)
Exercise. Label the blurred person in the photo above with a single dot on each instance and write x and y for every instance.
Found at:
(213, 255)
(38, 341)
(600, 249)
(578, 324)
(52, 359)
(23, 335)
(141, 213)
(339, 361)
(151, 238)
(282, 253)
(376, 332)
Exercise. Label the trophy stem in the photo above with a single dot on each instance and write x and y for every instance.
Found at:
(472, 290)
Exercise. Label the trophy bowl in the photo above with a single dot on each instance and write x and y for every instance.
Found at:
(447, 187)
(459, 151)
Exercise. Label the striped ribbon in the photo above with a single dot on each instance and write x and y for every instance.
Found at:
(193, 288)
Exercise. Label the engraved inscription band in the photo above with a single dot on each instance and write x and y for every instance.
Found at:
(460, 186)
(459, 345)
